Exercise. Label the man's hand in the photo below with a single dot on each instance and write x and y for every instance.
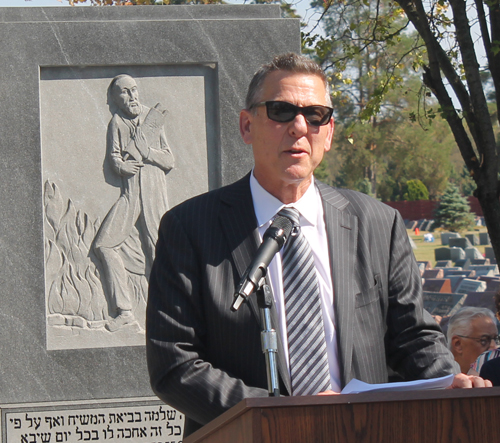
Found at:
(130, 167)
(469, 381)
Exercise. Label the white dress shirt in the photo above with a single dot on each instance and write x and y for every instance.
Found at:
(312, 225)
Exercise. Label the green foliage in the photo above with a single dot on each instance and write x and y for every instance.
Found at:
(365, 51)
(453, 212)
(415, 190)
(321, 173)
(390, 151)
(288, 10)
(116, 2)
(387, 128)
(463, 180)
(141, 2)
(364, 186)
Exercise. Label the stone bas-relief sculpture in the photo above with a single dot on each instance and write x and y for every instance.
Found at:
(96, 273)
(141, 156)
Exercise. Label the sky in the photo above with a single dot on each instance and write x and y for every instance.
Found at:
(32, 3)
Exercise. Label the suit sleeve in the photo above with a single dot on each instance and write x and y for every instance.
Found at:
(491, 371)
(176, 330)
(416, 347)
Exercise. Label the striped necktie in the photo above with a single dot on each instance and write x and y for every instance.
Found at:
(306, 336)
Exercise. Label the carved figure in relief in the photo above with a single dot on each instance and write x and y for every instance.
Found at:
(140, 155)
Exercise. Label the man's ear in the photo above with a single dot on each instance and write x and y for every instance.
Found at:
(246, 126)
(329, 137)
(456, 344)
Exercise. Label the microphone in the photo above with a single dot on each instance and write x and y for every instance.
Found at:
(274, 239)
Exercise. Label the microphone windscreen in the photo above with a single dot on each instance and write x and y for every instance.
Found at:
(284, 223)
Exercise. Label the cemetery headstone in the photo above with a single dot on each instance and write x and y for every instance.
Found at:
(437, 285)
(481, 300)
(473, 239)
(464, 263)
(459, 242)
(456, 254)
(465, 272)
(428, 225)
(442, 254)
(484, 238)
(412, 224)
(72, 369)
(445, 237)
(492, 283)
(455, 281)
(489, 253)
(443, 264)
(443, 304)
(433, 273)
(485, 269)
(425, 264)
(480, 261)
(468, 285)
(473, 253)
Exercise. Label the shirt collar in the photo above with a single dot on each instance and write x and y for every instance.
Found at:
(266, 206)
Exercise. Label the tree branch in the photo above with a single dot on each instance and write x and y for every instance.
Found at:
(438, 61)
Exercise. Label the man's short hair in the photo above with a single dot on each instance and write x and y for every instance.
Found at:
(460, 323)
(290, 62)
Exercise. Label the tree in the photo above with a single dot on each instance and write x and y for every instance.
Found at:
(288, 8)
(453, 74)
(453, 212)
(416, 190)
(140, 2)
(355, 75)
(472, 125)
(376, 99)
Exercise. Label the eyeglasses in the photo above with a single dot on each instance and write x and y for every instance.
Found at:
(282, 112)
(485, 340)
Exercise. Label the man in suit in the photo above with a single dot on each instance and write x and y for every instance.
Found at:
(491, 371)
(203, 358)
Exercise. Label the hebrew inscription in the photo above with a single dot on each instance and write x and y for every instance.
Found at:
(143, 424)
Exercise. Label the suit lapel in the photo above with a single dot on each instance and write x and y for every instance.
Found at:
(239, 224)
(342, 232)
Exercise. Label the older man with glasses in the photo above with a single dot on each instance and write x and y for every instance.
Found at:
(471, 331)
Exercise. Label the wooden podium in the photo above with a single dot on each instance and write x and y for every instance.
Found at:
(441, 416)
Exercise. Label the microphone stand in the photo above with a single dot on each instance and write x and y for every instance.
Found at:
(253, 281)
(268, 338)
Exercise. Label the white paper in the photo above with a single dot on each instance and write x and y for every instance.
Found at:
(356, 386)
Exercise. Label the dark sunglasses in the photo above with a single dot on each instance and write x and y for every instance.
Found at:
(283, 112)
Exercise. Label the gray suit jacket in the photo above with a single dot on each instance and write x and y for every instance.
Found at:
(203, 358)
